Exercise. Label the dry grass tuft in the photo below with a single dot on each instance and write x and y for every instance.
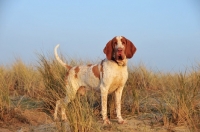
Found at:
(166, 99)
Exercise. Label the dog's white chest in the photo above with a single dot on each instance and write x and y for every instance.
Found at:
(118, 80)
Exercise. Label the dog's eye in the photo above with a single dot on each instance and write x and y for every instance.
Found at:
(123, 42)
(115, 43)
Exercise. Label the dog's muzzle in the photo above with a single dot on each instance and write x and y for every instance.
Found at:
(119, 56)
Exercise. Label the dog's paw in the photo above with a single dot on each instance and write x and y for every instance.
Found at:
(106, 122)
(121, 121)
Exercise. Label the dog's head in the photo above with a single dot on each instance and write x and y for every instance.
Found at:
(119, 49)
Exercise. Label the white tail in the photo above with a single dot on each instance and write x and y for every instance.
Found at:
(57, 57)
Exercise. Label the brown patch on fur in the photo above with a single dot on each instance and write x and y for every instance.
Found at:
(68, 67)
(89, 65)
(81, 90)
(66, 76)
(67, 73)
(76, 71)
(96, 72)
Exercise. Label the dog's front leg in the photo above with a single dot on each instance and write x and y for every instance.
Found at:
(56, 109)
(104, 98)
(118, 95)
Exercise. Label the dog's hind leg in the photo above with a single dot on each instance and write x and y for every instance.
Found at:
(56, 109)
(61, 104)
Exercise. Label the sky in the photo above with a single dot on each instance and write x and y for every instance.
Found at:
(165, 32)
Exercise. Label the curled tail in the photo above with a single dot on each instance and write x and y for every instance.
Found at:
(58, 58)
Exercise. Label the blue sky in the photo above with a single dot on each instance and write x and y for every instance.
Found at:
(166, 33)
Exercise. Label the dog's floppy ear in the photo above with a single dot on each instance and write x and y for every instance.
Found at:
(130, 49)
(108, 50)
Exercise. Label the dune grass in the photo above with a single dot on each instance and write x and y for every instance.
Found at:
(168, 99)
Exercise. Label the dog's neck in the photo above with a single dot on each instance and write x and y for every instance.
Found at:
(121, 62)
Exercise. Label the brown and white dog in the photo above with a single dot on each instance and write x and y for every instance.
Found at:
(108, 76)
